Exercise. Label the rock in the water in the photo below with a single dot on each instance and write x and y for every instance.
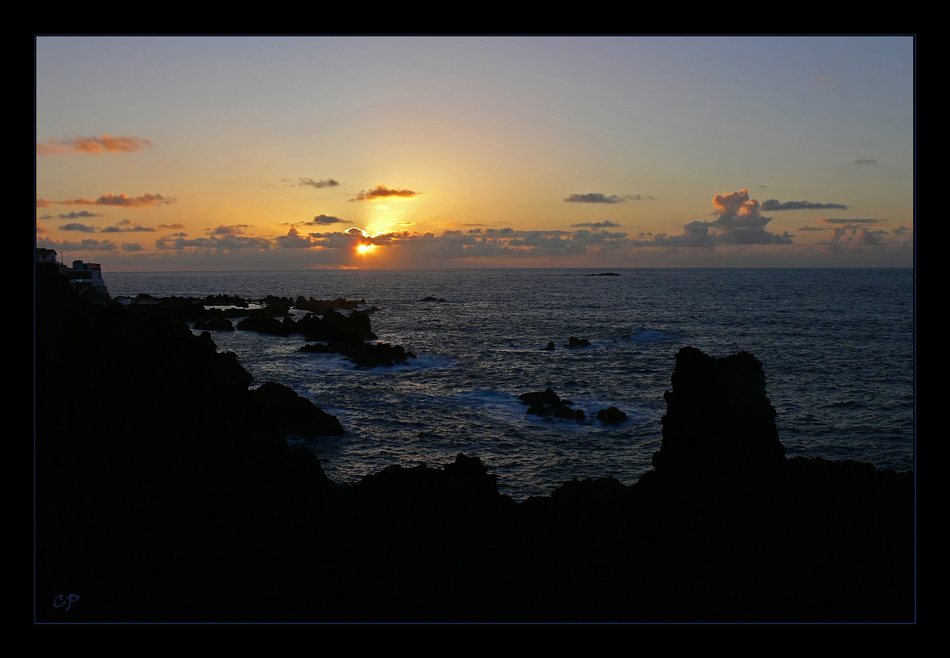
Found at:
(280, 410)
(611, 416)
(539, 410)
(574, 342)
(547, 396)
(214, 324)
(718, 416)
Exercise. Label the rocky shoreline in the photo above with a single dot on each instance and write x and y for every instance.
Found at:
(166, 492)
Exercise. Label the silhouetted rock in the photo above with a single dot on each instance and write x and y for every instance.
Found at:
(278, 409)
(336, 327)
(214, 324)
(718, 416)
(264, 323)
(538, 410)
(373, 355)
(611, 416)
(547, 396)
(563, 411)
(550, 345)
(225, 300)
(575, 342)
(174, 480)
(318, 348)
(321, 306)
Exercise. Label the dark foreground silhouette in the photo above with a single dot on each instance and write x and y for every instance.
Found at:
(165, 492)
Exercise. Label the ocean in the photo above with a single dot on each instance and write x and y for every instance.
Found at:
(837, 347)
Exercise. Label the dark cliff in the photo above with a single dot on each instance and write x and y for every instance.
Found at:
(165, 491)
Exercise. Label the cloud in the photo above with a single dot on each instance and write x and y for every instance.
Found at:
(82, 214)
(774, 204)
(171, 227)
(739, 222)
(865, 161)
(127, 226)
(856, 237)
(603, 224)
(293, 240)
(114, 200)
(813, 228)
(84, 245)
(598, 197)
(455, 244)
(841, 220)
(132, 246)
(324, 220)
(93, 145)
(226, 243)
(382, 192)
(73, 226)
(323, 182)
(235, 229)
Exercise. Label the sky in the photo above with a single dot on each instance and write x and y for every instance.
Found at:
(270, 153)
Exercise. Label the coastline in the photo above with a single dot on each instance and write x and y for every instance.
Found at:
(151, 481)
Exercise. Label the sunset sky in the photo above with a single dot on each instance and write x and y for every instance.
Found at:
(312, 152)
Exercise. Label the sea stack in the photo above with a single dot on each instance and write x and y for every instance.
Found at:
(718, 418)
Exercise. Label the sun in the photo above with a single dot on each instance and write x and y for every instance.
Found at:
(365, 248)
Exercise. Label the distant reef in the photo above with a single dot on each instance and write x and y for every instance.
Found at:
(166, 492)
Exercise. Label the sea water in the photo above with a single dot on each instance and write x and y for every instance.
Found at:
(837, 347)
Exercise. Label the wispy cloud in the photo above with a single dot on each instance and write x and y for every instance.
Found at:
(93, 145)
(127, 226)
(323, 182)
(234, 229)
(603, 224)
(82, 214)
(120, 200)
(84, 245)
(382, 192)
(225, 243)
(774, 204)
(844, 220)
(599, 197)
(74, 226)
(324, 220)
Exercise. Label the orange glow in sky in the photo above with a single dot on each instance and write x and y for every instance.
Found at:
(233, 153)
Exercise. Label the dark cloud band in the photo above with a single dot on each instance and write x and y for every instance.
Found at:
(774, 204)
